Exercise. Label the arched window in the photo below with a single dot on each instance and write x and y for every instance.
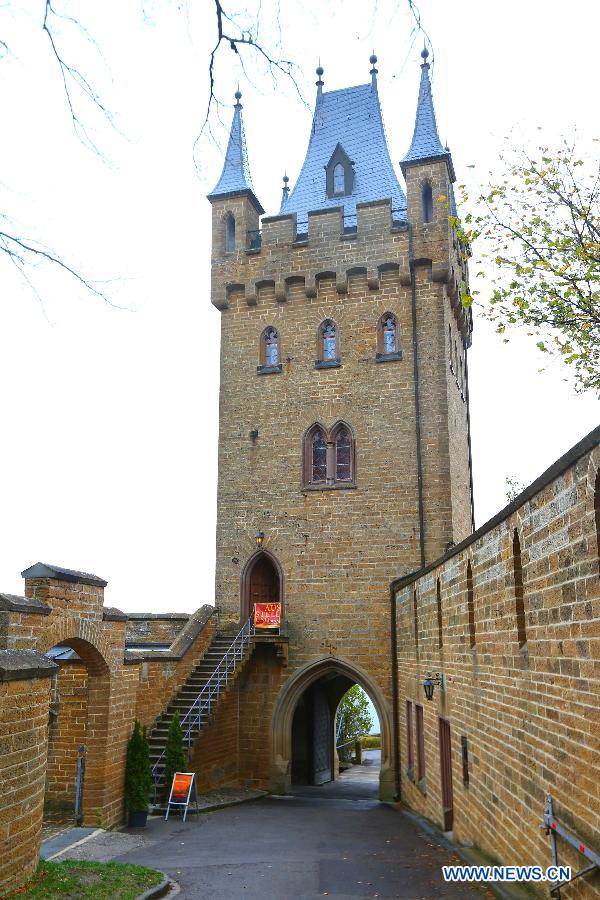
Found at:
(439, 615)
(318, 458)
(343, 455)
(519, 598)
(329, 456)
(470, 605)
(229, 233)
(269, 354)
(427, 197)
(339, 178)
(328, 345)
(387, 338)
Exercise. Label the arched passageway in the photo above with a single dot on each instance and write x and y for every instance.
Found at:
(304, 745)
(77, 733)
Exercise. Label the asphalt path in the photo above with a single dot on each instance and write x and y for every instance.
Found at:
(300, 847)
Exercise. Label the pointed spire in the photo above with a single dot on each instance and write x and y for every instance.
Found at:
(426, 143)
(285, 191)
(373, 72)
(235, 177)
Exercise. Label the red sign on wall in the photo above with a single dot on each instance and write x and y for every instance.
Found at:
(267, 615)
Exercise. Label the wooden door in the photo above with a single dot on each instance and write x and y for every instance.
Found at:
(446, 772)
(264, 583)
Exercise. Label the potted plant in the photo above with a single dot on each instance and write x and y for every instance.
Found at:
(175, 758)
(138, 777)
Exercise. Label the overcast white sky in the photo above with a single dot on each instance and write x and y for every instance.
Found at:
(110, 415)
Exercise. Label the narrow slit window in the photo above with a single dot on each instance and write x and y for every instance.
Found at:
(427, 203)
(519, 596)
(410, 751)
(439, 615)
(229, 233)
(416, 621)
(318, 458)
(470, 605)
(420, 742)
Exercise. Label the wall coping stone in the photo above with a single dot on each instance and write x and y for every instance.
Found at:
(22, 664)
(112, 614)
(43, 570)
(167, 617)
(13, 603)
(585, 445)
(182, 642)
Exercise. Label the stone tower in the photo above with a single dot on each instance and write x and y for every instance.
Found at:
(343, 440)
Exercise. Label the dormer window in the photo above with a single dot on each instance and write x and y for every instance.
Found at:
(339, 174)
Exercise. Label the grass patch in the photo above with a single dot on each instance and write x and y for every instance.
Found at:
(75, 879)
(371, 742)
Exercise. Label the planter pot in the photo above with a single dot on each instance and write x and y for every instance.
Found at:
(138, 819)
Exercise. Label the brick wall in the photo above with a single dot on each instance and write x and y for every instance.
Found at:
(68, 720)
(24, 698)
(160, 628)
(530, 713)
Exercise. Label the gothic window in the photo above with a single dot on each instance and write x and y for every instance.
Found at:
(329, 456)
(339, 174)
(427, 197)
(339, 183)
(387, 338)
(519, 597)
(318, 458)
(269, 352)
(229, 233)
(328, 345)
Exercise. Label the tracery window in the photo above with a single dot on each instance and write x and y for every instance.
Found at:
(269, 353)
(329, 340)
(329, 456)
(387, 338)
(328, 345)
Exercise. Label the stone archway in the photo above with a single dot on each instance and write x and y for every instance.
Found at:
(100, 772)
(283, 716)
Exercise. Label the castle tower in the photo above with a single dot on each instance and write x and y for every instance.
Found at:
(343, 438)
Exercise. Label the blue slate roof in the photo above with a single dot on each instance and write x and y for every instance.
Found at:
(426, 142)
(235, 177)
(352, 118)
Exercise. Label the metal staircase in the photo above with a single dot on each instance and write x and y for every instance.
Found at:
(197, 699)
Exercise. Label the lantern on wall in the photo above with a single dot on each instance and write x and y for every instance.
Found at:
(430, 683)
(260, 536)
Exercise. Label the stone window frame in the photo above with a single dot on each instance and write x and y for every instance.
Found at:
(331, 482)
(427, 202)
(339, 157)
(381, 355)
(320, 361)
(262, 367)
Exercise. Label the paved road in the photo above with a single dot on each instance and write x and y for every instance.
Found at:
(299, 848)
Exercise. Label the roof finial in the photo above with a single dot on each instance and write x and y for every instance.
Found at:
(424, 55)
(373, 72)
(285, 193)
(238, 97)
(320, 81)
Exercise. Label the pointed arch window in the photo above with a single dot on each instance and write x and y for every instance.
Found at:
(339, 174)
(427, 200)
(339, 179)
(269, 353)
(328, 346)
(388, 338)
(229, 233)
(329, 457)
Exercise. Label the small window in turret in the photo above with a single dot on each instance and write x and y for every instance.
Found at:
(338, 179)
(229, 233)
(339, 174)
(427, 203)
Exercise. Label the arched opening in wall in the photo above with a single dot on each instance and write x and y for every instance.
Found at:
(77, 734)
(427, 201)
(262, 582)
(229, 233)
(320, 714)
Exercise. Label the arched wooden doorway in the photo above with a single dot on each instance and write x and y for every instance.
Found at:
(262, 582)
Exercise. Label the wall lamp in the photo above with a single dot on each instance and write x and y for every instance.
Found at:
(430, 682)
(258, 540)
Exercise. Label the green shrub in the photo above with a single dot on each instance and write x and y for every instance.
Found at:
(138, 777)
(175, 758)
(371, 742)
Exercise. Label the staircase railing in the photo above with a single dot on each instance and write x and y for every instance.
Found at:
(218, 681)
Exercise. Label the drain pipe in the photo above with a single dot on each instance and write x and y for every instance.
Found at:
(413, 290)
(395, 697)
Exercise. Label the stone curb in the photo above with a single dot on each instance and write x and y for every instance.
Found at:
(159, 890)
(213, 807)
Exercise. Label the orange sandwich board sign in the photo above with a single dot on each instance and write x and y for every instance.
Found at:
(267, 615)
(183, 792)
